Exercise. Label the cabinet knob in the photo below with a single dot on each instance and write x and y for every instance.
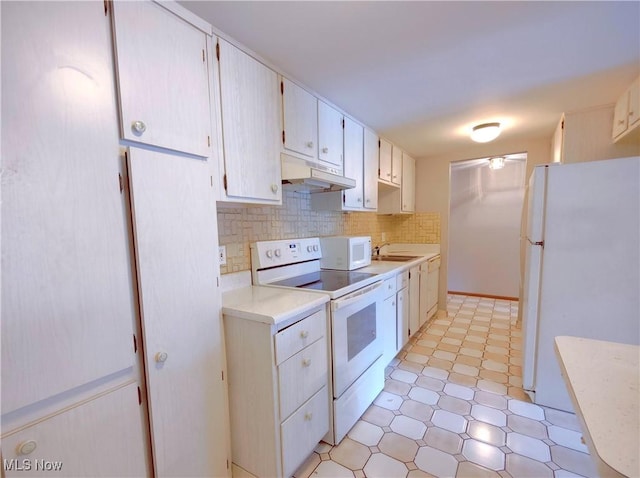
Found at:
(27, 447)
(368, 201)
(304, 334)
(631, 113)
(389, 175)
(308, 416)
(309, 144)
(306, 362)
(621, 121)
(161, 357)
(138, 127)
(395, 176)
(359, 199)
(325, 150)
(274, 188)
(393, 303)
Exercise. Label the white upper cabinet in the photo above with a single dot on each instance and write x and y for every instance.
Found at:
(250, 106)
(67, 293)
(370, 183)
(626, 116)
(394, 200)
(385, 160)
(162, 78)
(300, 120)
(396, 166)
(408, 187)
(353, 163)
(330, 137)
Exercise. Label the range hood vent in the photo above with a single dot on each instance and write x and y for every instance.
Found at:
(301, 176)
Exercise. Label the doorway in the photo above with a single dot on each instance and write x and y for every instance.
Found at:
(485, 209)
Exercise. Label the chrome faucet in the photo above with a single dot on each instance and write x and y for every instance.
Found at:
(376, 250)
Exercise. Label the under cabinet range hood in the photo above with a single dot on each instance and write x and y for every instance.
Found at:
(302, 176)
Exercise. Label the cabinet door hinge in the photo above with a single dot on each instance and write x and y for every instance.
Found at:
(204, 58)
(222, 374)
(409, 274)
(135, 344)
(227, 464)
(121, 183)
(139, 396)
(344, 198)
(342, 123)
(379, 144)
(282, 87)
(283, 142)
(224, 182)
(562, 126)
(218, 51)
(217, 281)
(106, 7)
(208, 141)
(211, 180)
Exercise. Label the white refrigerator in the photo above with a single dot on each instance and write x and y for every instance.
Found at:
(582, 266)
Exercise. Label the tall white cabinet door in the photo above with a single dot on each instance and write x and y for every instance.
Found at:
(403, 317)
(353, 162)
(408, 183)
(396, 165)
(175, 233)
(330, 137)
(162, 78)
(370, 173)
(250, 126)
(300, 119)
(385, 160)
(102, 438)
(67, 294)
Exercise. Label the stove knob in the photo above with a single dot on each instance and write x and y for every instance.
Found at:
(269, 253)
(277, 252)
(315, 247)
(309, 248)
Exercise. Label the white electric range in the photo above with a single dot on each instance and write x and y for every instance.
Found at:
(355, 321)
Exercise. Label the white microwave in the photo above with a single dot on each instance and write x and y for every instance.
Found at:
(345, 252)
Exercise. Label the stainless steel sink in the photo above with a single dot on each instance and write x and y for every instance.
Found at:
(394, 258)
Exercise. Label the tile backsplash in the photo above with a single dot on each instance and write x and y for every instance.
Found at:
(240, 226)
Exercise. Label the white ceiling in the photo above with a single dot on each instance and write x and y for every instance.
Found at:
(422, 73)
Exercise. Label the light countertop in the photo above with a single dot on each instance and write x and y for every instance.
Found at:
(603, 381)
(270, 305)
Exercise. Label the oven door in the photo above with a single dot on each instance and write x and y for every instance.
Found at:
(355, 331)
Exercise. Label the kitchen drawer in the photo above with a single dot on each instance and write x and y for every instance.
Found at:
(302, 431)
(434, 264)
(389, 287)
(301, 334)
(402, 280)
(302, 375)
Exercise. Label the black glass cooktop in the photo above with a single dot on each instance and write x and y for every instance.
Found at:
(327, 280)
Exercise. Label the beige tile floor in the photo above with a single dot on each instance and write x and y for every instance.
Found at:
(453, 406)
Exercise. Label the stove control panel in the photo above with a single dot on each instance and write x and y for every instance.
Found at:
(284, 252)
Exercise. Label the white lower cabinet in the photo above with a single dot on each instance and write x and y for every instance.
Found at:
(433, 269)
(402, 308)
(101, 437)
(414, 300)
(279, 392)
(390, 325)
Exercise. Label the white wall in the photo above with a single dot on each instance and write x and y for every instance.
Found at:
(484, 227)
(432, 184)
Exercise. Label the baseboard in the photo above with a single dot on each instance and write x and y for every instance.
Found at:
(488, 296)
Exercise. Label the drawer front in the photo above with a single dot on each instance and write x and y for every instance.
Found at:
(301, 334)
(302, 431)
(389, 287)
(402, 280)
(302, 375)
(434, 264)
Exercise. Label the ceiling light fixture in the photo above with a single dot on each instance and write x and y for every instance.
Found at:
(496, 162)
(483, 133)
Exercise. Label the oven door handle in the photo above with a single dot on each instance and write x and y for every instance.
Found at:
(360, 295)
